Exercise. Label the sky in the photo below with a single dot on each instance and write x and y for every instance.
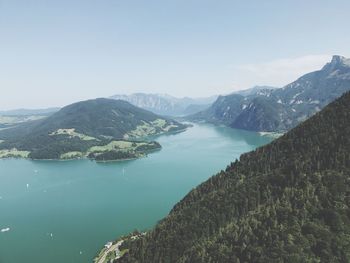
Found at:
(53, 53)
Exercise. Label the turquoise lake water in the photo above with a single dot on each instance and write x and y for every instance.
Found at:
(65, 211)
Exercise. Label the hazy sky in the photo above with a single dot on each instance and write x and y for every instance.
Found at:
(53, 53)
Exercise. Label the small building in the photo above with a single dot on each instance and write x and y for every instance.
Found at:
(108, 245)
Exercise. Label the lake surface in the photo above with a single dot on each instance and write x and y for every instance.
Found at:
(65, 211)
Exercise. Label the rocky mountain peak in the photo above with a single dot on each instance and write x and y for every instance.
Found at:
(336, 59)
(337, 62)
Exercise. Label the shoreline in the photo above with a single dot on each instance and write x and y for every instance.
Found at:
(274, 135)
(142, 155)
(115, 247)
(74, 159)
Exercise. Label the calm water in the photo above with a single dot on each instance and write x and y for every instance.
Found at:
(66, 211)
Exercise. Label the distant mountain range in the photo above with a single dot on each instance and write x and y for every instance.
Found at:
(287, 201)
(87, 128)
(266, 109)
(164, 104)
(28, 112)
(11, 118)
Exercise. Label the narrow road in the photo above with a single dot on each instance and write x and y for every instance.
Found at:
(113, 248)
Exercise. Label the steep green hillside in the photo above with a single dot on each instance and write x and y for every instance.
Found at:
(288, 201)
(75, 129)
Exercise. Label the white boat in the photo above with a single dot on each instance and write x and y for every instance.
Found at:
(5, 229)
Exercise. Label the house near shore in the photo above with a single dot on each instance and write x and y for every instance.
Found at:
(108, 245)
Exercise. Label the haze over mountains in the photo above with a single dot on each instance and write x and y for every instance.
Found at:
(167, 105)
(261, 108)
(26, 112)
(283, 108)
(287, 201)
(162, 104)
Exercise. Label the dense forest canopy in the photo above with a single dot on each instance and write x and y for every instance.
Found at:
(288, 201)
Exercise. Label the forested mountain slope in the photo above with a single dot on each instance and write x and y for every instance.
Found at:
(288, 201)
(283, 108)
(78, 127)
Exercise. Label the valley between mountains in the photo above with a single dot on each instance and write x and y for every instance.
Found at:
(287, 201)
(175, 131)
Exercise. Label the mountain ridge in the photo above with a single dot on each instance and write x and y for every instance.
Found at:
(293, 103)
